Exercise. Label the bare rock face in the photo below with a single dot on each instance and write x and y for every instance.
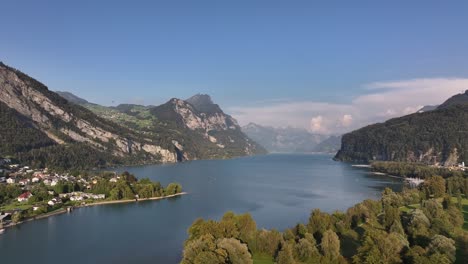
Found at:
(201, 117)
(52, 116)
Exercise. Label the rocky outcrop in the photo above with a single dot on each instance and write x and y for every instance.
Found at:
(217, 133)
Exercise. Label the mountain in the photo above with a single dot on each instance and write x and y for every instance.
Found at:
(435, 137)
(290, 140)
(330, 145)
(197, 127)
(30, 105)
(71, 97)
(207, 132)
(42, 128)
(458, 99)
(427, 108)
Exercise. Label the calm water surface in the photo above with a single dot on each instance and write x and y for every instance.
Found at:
(278, 190)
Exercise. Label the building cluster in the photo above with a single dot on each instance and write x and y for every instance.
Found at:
(80, 196)
(27, 178)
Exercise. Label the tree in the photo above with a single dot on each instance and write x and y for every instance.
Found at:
(285, 255)
(319, 222)
(442, 245)
(380, 247)
(391, 215)
(305, 250)
(173, 188)
(206, 250)
(247, 228)
(267, 241)
(434, 186)
(17, 217)
(202, 250)
(330, 245)
(237, 253)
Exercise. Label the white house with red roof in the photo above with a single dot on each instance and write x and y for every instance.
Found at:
(24, 197)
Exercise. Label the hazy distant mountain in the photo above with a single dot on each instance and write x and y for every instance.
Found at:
(289, 140)
(438, 136)
(329, 145)
(427, 108)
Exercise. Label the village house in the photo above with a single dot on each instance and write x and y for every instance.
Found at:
(35, 179)
(76, 198)
(13, 166)
(113, 179)
(23, 182)
(24, 197)
(11, 180)
(54, 201)
(54, 182)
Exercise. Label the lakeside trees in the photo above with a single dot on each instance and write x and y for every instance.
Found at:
(407, 169)
(415, 226)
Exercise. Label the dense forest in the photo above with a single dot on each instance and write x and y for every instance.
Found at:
(420, 226)
(17, 133)
(439, 136)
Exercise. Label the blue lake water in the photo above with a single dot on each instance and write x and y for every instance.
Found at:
(278, 190)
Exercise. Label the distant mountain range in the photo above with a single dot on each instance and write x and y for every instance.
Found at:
(291, 140)
(61, 130)
(437, 136)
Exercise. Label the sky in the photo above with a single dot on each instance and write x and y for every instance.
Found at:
(326, 66)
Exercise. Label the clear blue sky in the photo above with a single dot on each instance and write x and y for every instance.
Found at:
(240, 52)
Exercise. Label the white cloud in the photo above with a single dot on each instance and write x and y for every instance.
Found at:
(385, 100)
(347, 120)
(317, 126)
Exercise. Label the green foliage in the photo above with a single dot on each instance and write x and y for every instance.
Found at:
(442, 245)
(369, 232)
(432, 135)
(173, 188)
(319, 222)
(330, 246)
(285, 255)
(17, 135)
(416, 170)
(434, 186)
(207, 249)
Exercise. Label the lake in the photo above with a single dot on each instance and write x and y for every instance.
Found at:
(278, 190)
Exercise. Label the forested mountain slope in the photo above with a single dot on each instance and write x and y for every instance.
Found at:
(434, 137)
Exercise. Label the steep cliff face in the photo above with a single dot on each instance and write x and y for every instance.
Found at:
(434, 137)
(208, 131)
(66, 123)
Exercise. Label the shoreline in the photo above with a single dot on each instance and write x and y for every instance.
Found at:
(64, 210)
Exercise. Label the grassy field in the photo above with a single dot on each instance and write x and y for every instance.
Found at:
(262, 259)
(15, 205)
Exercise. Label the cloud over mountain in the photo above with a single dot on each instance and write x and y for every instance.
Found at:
(379, 101)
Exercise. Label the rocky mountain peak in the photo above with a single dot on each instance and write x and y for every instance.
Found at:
(200, 99)
(204, 104)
